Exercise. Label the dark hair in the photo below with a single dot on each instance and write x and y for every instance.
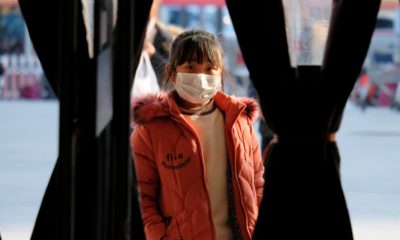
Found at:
(193, 44)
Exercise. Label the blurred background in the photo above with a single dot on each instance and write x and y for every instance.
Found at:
(368, 140)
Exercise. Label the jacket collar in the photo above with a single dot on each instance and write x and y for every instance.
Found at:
(150, 106)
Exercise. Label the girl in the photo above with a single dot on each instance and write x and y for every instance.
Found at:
(196, 154)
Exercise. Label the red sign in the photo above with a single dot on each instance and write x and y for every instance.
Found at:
(8, 2)
(194, 2)
(390, 4)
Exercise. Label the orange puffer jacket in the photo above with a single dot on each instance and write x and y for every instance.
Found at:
(171, 172)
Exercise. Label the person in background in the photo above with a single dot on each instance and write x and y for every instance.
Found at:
(363, 87)
(363, 93)
(159, 37)
(266, 136)
(197, 156)
(2, 71)
(266, 133)
(396, 98)
(154, 55)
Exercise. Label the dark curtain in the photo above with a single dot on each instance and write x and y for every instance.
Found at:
(303, 196)
(44, 26)
(42, 21)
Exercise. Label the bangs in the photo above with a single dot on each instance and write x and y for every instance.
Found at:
(195, 48)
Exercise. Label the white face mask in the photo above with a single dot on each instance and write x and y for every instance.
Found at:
(197, 88)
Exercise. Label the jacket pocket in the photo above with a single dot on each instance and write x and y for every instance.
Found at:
(173, 232)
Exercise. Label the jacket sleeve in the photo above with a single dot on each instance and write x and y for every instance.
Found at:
(148, 180)
(258, 167)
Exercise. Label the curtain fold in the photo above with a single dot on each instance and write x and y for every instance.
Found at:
(43, 23)
(341, 67)
(43, 30)
(265, 50)
(303, 196)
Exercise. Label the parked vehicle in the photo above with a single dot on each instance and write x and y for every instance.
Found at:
(383, 60)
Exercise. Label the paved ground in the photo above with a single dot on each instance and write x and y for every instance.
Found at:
(28, 150)
(369, 144)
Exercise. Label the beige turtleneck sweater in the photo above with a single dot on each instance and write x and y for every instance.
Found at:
(210, 128)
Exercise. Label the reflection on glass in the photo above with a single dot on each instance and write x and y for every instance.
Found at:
(88, 19)
(307, 23)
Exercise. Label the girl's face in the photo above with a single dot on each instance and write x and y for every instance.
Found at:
(192, 66)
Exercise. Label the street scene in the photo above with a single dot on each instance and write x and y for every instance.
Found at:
(368, 143)
(368, 139)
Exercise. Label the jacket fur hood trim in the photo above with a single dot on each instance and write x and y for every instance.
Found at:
(150, 106)
(252, 108)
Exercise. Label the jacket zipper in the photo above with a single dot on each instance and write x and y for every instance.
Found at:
(229, 135)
